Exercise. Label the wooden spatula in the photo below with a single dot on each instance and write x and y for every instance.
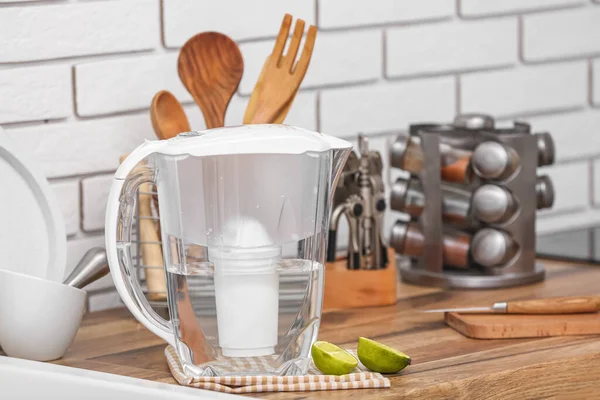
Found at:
(281, 75)
(210, 66)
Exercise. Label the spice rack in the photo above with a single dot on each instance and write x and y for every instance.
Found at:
(491, 166)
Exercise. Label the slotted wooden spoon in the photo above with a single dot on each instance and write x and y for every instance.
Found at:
(210, 66)
(281, 75)
(253, 102)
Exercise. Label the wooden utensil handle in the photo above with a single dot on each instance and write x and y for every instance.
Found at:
(555, 305)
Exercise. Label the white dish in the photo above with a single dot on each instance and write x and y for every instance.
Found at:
(22, 379)
(40, 318)
(32, 229)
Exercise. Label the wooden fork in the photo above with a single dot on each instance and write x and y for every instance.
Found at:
(281, 75)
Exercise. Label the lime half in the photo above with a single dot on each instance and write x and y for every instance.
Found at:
(381, 358)
(331, 359)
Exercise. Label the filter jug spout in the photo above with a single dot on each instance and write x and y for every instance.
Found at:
(339, 158)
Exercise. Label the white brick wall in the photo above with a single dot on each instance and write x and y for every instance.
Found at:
(555, 35)
(77, 78)
(94, 193)
(571, 183)
(42, 32)
(339, 13)
(83, 147)
(125, 84)
(35, 93)
(241, 20)
(526, 90)
(418, 49)
(338, 58)
(67, 194)
(575, 134)
(386, 107)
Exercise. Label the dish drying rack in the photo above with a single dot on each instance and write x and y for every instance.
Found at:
(290, 297)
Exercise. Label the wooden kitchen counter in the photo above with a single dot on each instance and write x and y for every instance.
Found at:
(445, 363)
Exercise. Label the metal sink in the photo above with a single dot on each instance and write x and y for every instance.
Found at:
(22, 379)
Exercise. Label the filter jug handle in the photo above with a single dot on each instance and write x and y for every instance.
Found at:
(119, 218)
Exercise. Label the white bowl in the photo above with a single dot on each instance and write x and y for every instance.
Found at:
(38, 318)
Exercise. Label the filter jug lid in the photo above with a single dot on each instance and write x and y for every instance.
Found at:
(251, 139)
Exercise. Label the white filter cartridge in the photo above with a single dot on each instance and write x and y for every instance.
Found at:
(247, 296)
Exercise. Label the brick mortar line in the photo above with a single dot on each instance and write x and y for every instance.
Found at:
(591, 82)
(81, 235)
(457, 94)
(449, 73)
(591, 179)
(529, 12)
(73, 92)
(37, 3)
(80, 205)
(318, 111)
(591, 243)
(94, 174)
(564, 212)
(161, 16)
(567, 111)
(571, 160)
(325, 87)
(138, 112)
(80, 59)
(541, 113)
(74, 178)
(387, 25)
(384, 55)
(556, 60)
(520, 39)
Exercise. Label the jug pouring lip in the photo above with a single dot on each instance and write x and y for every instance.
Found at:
(252, 139)
(237, 140)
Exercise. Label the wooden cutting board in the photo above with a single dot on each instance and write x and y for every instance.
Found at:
(502, 326)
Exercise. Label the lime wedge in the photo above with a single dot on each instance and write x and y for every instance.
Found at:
(381, 358)
(331, 359)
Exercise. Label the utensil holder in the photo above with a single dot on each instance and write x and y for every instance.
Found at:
(429, 269)
(348, 288)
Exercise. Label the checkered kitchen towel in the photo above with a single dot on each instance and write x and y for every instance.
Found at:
(253, 384)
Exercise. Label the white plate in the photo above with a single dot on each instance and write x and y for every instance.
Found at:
(23, 379)
(32, 229)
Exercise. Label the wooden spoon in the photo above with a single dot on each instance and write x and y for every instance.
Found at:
(210, 66)
(168, 120)
(168, 116)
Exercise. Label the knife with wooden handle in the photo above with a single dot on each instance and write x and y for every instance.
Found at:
(552, 305)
